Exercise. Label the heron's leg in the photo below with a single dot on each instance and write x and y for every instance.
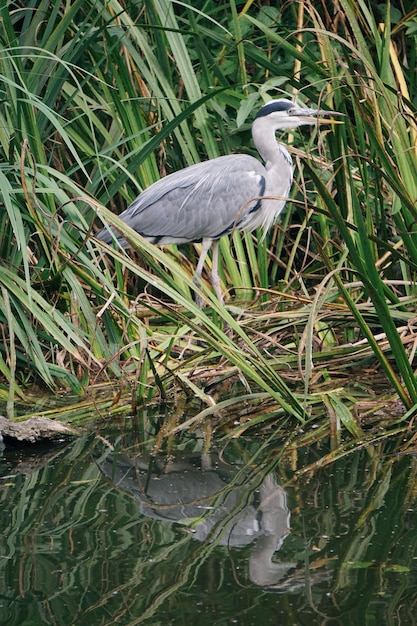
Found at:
(200, 266)
(215, 278)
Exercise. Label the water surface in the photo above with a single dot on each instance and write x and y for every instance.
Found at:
(99, 532)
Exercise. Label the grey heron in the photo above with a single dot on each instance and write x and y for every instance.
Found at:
(206, 201)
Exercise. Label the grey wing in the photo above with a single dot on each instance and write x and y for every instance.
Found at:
(206, 200)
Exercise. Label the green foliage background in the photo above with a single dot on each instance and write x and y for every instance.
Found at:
(99, 99)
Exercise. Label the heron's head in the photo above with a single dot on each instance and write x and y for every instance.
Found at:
(284, 114)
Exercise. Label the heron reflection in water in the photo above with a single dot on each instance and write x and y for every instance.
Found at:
(215, 500)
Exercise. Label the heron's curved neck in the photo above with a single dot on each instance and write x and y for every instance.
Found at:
(273, 153)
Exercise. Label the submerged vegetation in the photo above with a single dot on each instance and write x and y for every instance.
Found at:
(100, 99)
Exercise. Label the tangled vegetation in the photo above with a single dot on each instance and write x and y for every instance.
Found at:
(100, 99)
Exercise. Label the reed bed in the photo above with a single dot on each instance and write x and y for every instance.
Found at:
(101, 99)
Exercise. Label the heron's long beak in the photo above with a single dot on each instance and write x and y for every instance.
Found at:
(325, 120)
(313, 116)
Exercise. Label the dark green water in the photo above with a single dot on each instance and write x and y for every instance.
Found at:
(93, 536)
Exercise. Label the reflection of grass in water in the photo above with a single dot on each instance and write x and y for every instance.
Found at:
(83, 551)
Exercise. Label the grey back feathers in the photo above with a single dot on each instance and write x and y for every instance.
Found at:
(198, 202)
